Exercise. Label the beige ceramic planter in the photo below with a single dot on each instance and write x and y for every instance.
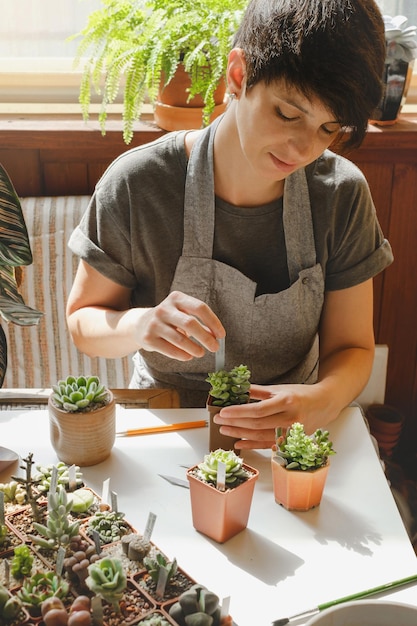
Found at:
(221, 514)
(298, 490)
(83, 438)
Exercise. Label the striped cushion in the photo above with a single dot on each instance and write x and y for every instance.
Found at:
(40, 355)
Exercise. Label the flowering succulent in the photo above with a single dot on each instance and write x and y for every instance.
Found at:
(298, 451)
(79, 394)
(230, 387)
(235, 473)
(107, 579)
(400, 39)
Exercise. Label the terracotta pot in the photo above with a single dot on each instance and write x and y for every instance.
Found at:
(216, 439)
(386, 424)
(83, 438)
(221, 514)
(173, 112)
(298, 490)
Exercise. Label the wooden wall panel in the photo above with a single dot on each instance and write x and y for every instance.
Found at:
(68, 157)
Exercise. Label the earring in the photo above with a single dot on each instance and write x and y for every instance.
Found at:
(232, 96)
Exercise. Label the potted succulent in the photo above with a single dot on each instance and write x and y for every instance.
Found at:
(226, 388)
(82, 419)
(15, 251)
(401, 44)
(140, 45)
(221, 510)
(300, 464)
(202, 605)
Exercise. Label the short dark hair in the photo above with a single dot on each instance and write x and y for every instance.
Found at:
(333, 49)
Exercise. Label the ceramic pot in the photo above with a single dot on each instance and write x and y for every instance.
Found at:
(396, 79)
(221, 515)
(85, 438)
(172, 110)
(216, 439)
(298, 490)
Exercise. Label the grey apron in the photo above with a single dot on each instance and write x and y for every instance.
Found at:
(275, 335)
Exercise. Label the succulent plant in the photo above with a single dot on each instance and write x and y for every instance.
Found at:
(110, 526)
(39, 587)
(4, 536)
(107, 579)
(235, 472)
(400, 38)
(10, 606)
(58, 529)
(82, 555)
(44, 476)
(135, 547)
(54, 612)
(30, 484)
(156, 564)
(79, 394)
(22, 562)
(230, 387)
(298, 451)
(14, 493)
(197, 607)
(154, 620)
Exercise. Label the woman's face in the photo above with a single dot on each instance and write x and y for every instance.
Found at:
(281, 130)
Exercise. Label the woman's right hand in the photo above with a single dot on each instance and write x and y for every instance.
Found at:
(180, 327)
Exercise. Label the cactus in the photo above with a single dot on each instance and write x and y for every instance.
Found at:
(76, 395)
(197, 607)
(10, 606)
(58, 530)
(230, 387)
(298, 451)
(22, 562)
(44, 476)
(235, 473)
(14, 493)
(107, 579)
(109, 525)
(154, 565)
(39, 587)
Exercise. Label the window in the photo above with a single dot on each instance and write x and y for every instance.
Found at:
(36, 58)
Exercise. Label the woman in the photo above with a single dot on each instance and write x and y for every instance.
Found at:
(250, 229)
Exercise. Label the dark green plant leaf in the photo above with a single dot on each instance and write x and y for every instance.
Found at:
(3, 356)
(14, 240)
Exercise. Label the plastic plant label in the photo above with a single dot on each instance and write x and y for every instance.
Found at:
(54, 480)
(72, 479)
(162, 582)
(225, 608)
(60, 556)
(149, 527)
(113, 501)
(221, 476)
(97, 542)
(97, 609)
(106, 491)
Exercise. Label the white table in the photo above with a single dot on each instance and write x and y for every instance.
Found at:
(284, 562)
